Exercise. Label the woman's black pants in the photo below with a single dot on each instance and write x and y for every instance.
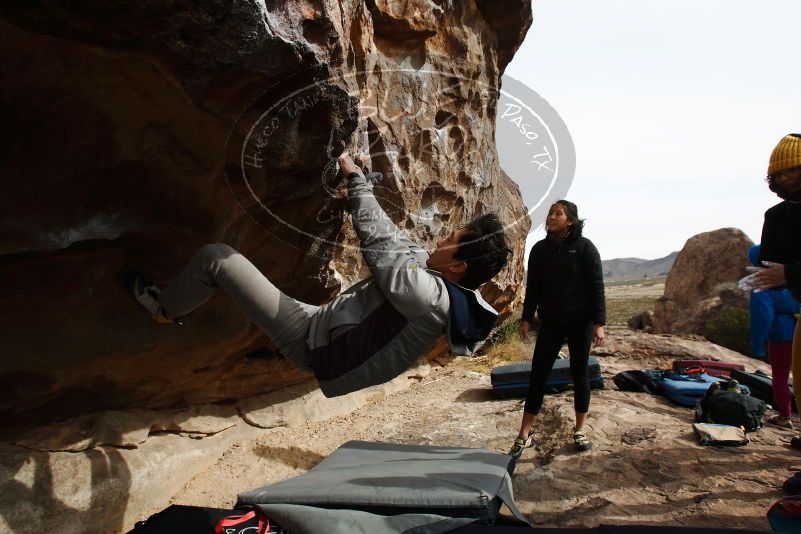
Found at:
(550, 338)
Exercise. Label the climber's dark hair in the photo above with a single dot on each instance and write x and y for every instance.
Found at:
(484, 247)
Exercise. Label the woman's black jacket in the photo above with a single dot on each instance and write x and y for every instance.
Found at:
(565, 281)
(781, 242)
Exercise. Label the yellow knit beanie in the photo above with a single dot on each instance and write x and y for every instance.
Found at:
(786, 155)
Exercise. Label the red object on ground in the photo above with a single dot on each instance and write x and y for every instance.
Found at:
(713, 367)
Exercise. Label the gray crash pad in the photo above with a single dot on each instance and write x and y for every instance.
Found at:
(385, 488)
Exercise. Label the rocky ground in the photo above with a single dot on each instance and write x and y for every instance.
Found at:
(104, 472)
(645, 467)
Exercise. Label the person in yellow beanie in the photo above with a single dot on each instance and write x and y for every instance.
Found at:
(781, 234)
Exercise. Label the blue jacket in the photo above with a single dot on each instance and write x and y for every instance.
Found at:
(772, 314)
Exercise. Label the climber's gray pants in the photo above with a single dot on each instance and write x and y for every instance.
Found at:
(283, 318)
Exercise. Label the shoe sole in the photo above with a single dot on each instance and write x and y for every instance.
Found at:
(129, 281)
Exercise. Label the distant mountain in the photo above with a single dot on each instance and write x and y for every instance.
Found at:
(637, 268)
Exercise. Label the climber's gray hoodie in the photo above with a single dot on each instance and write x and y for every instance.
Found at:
(379, 327)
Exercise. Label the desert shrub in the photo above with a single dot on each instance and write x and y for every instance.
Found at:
(504, 332)
(731, 330)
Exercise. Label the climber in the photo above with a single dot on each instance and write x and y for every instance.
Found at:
(380, 326)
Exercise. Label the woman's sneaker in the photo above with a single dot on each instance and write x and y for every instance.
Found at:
(581, 442)
(520, 445)
(781, 421)
(146, 293)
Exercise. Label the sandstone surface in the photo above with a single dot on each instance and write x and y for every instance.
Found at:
(645, 468)
(136, 132)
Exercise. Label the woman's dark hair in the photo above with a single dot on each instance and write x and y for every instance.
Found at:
(571, 210)
(483, 246)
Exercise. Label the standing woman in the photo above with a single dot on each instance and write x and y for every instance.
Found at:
(565, 286)
(781, 234)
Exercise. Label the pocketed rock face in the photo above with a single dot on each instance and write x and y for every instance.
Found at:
(129, 142)
(698, 284)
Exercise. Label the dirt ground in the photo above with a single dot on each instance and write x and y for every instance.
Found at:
(645, 466)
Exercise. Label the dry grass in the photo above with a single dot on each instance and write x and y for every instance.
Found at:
(504, 346)
(619, 311)
(645, 282)
(512, 351)
(629, 297)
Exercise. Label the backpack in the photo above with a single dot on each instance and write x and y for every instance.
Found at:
(641, 381)
(730, 408)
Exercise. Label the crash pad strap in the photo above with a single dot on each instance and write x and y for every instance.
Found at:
(234, 520)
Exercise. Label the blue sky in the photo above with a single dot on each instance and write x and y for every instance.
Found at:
(673, 107)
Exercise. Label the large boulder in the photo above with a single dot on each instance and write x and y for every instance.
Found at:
(699, 286)
(137, 132)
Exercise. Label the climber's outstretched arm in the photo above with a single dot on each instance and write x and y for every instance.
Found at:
(398, 264)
